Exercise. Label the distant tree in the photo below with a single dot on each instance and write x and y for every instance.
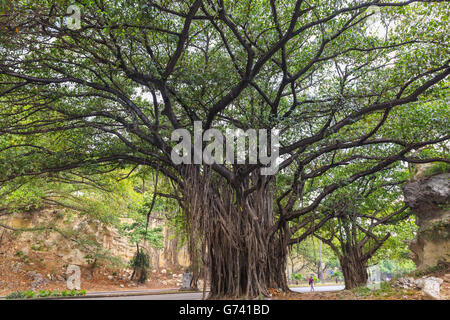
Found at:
(357, 230)
(306, 257)
(139, 233)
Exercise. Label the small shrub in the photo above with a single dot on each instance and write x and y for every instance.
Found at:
(141, 265)
(55, 294)
(21, 295)
(44, 293)
(19, 253)
(22, 256)
(15, 295)
(362, 291)
(297, 276)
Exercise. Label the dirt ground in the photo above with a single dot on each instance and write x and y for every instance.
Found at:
(45, 271)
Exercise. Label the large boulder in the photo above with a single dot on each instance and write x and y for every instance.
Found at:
(429, 200)
(430, 288)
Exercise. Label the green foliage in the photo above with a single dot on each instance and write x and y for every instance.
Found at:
(362, 291)
(19, 253)
(63, 293)
(397, 267)
(25, 198)
(437, 168)
(44, 294)
(337, 275)
(103, 198)
(25, 258)
(370, 218)
(15, 295)
(384, 290)
(56, 294)
(309, 252)
(393, 256)
(297, 276)
(137, 231)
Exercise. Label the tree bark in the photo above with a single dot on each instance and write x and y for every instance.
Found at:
(354, 269)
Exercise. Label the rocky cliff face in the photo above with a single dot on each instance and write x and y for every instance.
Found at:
(74, 239)
(429, 198)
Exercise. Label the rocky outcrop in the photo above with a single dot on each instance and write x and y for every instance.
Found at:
(430, 286)
(429, 200)
(75, 238)
(37, 280)
(407, 283)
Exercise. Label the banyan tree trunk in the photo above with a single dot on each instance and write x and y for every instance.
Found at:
(242, 253)
(354, 269)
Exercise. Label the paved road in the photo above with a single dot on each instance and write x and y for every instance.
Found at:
(318, 288)
(198, 295)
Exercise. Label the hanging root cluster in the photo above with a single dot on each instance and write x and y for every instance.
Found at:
(140, 264)
(234, 232)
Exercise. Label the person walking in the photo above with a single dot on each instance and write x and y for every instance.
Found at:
(311, 283)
